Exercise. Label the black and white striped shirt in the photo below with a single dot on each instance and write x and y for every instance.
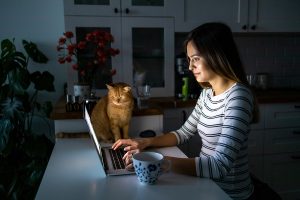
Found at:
(223, 123)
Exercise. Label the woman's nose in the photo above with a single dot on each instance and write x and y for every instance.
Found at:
(191, 66)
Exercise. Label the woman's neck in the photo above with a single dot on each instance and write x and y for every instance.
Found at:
(221, 86)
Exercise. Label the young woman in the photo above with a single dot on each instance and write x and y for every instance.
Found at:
(221, 117)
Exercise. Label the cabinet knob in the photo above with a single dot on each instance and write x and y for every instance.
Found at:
(116, 10)
(253, 27)
(244, 27)
(127, 11)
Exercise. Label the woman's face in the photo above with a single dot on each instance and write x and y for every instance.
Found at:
(198, 65)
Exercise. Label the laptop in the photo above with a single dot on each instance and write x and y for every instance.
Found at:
(110, 159)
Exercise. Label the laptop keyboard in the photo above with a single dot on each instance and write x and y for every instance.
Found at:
(117, 156)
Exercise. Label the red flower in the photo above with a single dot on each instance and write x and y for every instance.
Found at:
(89, 37)
(68, 59)
(71, 48)
(84, 60)
(75, 66)
(62, 41)
(69, 34)
(81, 45)
(61, 60)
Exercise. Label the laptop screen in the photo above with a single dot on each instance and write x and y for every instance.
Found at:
(93, 134)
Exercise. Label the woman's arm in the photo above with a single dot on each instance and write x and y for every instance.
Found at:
(133, 145)
(183, 165)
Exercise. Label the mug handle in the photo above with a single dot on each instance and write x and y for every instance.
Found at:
(166, 166)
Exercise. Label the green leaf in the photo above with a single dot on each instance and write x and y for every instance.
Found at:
(2, 73)
(7, 48)
(5, 129)
(43, 81)
(19, 80)
(34, 53)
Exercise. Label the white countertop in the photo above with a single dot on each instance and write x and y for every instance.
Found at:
(74, 172)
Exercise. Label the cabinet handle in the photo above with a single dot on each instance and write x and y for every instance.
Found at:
(295, 157)
(297, 106)
(116, 10)
(253, 27)
(127, 11)
(244, 27)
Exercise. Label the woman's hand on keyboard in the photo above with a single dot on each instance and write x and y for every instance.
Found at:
(132, 146)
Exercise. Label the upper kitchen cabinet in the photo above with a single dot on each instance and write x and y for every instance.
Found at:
(148, 53)
(123, 7)
(146, 46)
(242, 15)
(274, 16)
(196, 12)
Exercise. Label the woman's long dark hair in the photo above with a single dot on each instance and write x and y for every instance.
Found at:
(216, 45)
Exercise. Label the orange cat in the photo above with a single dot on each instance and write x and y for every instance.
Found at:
(112, 113)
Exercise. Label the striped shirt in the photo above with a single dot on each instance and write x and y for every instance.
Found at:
(223, 123)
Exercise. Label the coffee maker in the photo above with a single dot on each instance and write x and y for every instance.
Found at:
(185, 80)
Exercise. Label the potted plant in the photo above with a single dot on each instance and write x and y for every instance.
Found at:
(23, 153)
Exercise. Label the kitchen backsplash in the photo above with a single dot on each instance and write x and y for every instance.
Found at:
(276, 54)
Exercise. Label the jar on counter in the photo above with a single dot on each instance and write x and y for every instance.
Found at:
(262, 80)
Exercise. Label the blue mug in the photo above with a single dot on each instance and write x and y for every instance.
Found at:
(149, 166)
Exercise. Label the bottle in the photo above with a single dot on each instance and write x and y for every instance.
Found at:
(185, 88)
(69, 105)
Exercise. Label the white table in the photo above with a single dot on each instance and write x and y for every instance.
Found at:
(74, 172)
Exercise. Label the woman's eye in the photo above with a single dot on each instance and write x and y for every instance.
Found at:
(196, 59)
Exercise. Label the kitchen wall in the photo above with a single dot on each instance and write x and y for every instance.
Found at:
(275, 53)
(39, 21)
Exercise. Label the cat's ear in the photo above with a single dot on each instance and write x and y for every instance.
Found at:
(127, 89)
(109, 86)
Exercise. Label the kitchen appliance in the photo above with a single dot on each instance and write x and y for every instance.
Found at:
(186, 85)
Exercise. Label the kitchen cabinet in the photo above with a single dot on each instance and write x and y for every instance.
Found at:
(127, 8)
(282, 148)
(242, 15)
(274, 148)
(146, 46)
(274, 16)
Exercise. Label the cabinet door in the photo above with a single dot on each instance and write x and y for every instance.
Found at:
(282, 140)
(80, 25)
(143, 8)
(282, 115)
(141, 123)
(148, 53)
(274, 16)
(175, 118)
(92, 7)
(137, 8)
(282, 172)
(196, 12)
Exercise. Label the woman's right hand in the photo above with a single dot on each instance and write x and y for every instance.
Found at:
(132, 146)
